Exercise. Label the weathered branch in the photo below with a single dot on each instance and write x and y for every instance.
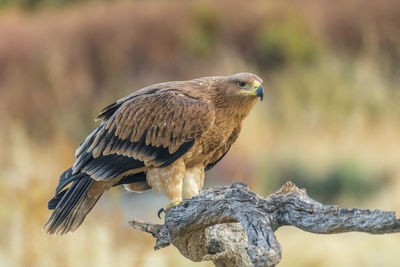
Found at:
(233, 226)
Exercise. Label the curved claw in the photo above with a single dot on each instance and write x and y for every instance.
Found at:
(159, 212)
(170, 205)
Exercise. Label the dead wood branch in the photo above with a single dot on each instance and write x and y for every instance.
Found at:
(233, 226)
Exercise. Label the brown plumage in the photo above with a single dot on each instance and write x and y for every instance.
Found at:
(161, 137)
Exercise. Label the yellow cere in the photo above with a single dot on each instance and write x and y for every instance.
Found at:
(256, 84)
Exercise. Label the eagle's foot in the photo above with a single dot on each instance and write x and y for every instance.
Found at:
(173, 203)
(170, 205)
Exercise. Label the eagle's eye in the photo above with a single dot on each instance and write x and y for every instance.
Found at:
(241, 84)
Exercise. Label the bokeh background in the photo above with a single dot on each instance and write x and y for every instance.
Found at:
(330, 120)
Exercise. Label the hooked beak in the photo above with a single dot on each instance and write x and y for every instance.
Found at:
(258, 90)
(255, 90)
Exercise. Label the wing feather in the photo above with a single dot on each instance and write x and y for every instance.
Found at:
(148, 128)
(223, 150)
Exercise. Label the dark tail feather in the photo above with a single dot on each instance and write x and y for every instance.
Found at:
(71, 205)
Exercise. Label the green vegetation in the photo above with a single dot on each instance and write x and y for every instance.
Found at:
(31, 5)
(344, 180)
(202, 37)
(285, 42)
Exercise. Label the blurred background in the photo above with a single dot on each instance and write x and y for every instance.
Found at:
(329, 122)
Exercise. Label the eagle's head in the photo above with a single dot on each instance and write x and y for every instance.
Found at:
(244, 85)
(238, 91)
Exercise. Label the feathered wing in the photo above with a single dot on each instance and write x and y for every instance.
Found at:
(221, 152)
(152, 127)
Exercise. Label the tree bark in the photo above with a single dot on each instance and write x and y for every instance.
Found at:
(233, 226)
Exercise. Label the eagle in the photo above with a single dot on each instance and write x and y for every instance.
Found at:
(162, 137)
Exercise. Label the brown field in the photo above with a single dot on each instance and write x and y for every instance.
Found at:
(330, 120)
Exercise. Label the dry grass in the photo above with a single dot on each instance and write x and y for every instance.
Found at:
(331, 74)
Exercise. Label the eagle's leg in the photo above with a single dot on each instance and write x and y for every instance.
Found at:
(193, 181)
(168, 180)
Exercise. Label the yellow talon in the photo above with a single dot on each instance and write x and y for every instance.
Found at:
(173, 203)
